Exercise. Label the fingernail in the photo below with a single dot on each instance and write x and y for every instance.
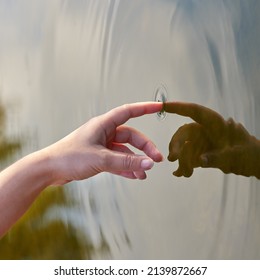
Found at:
(147, 164)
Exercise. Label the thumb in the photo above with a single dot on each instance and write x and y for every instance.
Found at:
(118, 161)
(217, 159)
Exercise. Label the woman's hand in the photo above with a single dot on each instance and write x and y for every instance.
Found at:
(95, 147)
(98, 146)
(212, 142)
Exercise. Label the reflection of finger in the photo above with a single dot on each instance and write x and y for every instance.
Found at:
(203, 115)
(125, 134)
(174, 149)
(185, 159)
(182, 172)
(229, 160)
(173, 155)
(188, 132)
(177, 142)
(178, 172)
(218, 159)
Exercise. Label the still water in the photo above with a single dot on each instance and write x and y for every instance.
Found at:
(63, 62)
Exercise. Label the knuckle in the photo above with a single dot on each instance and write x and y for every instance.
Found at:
(128, 162)
(230, 122)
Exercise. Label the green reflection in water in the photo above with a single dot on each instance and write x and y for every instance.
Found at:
(32, 237)
(7, 146)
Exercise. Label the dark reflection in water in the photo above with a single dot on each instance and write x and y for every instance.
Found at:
(34, 238)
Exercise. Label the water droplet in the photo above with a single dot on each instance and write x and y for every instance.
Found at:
(161, 96)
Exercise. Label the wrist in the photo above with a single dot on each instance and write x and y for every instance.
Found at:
(49, 168)
(41, 168)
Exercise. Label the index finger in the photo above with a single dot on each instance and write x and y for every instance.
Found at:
(198, 113)
(121, 114)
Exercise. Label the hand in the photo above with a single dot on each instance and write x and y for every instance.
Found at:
(95, 147)
(212, 142)
(98, 146)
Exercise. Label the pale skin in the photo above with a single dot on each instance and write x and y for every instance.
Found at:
(95, 147)
(212, 141)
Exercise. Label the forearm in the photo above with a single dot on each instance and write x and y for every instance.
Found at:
(20, 184)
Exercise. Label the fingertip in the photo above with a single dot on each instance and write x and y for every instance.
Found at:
(158, 157)
(177, 173)
(172, 157)
(180, 172)
(188, 173)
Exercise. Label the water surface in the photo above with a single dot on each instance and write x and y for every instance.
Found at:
(63, 62)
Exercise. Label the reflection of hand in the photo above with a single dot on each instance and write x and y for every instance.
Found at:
(212, 142)
(98, 146)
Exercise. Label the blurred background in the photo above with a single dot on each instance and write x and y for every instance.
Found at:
(63, 62)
